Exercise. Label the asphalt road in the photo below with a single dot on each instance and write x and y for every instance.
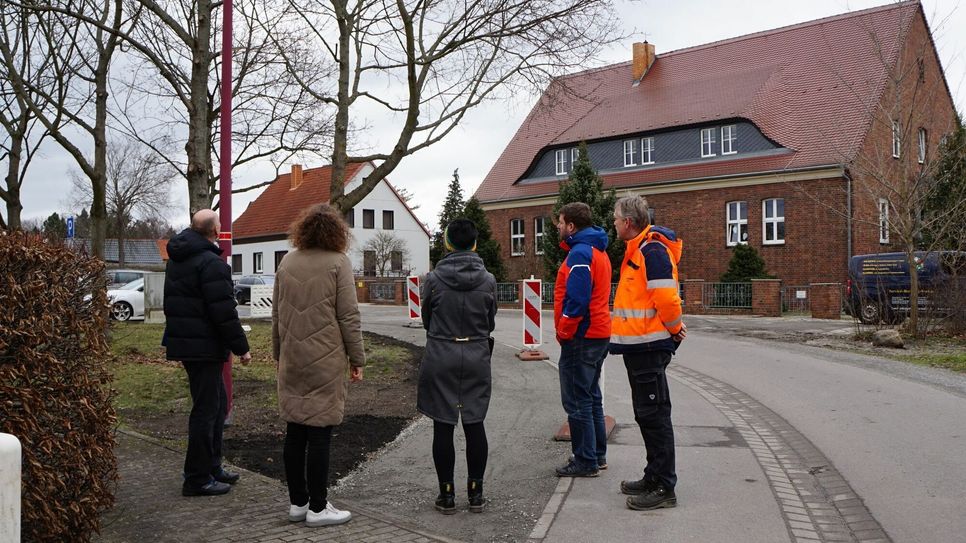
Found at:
(894, 433)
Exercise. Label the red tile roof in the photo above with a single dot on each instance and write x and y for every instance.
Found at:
(809, 87)
(275, 209)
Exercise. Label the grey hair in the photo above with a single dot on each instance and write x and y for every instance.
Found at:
(635, 209)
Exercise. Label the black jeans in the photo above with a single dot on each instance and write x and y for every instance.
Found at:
(652, 411)
(298, 437)
(444, 453)
(206, 421)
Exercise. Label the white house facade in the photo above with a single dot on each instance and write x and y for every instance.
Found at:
(260, 233)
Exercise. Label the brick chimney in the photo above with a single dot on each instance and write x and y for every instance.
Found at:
(296, 176)
(643, 59)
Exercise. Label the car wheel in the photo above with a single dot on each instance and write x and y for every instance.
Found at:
(122, 311)
(870, 313)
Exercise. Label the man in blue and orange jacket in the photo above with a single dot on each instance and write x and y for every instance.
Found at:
(583, 324)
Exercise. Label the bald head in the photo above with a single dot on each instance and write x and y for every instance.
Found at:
(206, 223)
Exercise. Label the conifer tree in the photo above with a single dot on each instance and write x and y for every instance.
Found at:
(453, 208)
(582, 185)
(745, 264)
(486, 246)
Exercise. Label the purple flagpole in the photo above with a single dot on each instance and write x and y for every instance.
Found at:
(224, 187)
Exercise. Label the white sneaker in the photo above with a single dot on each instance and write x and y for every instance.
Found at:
(296, 513)
(327, 517)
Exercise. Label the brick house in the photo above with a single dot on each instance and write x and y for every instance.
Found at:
(261, 231)
(755, 139)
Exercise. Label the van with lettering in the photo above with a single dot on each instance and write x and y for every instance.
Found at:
(878, 288)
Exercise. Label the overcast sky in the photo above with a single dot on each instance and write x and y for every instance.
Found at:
(484, 133)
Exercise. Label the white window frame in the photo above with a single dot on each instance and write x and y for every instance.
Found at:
(560, 158)
(517, 237)
(707, 140)
(772, 222)
(647, 151)
(630, 150)
(539, 227)
(574, 157)
(736, 222)
(922, 145)
(883, 221)
(896, 140)
(730, 139)
(258, 263)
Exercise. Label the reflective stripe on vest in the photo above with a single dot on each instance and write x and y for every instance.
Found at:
(635, 313)
(662, 283)
(635, 318)
(646, 338)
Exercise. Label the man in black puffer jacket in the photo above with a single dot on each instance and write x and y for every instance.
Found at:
(202, 327)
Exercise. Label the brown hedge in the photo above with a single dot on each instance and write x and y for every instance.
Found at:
(55, 391)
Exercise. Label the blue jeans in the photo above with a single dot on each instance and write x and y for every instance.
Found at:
(580, 363)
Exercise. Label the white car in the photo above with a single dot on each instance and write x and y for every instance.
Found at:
(127, 302)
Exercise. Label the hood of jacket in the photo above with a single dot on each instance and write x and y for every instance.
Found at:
(594, 236)
(189, 243)
(461, 270)
(670, 240)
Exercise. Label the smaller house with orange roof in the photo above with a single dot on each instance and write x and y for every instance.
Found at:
(261, 232)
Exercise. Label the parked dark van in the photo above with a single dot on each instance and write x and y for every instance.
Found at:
(878, 285)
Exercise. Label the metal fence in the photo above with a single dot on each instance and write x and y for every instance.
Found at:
(796, 299)
(727, 295)
(508, 293)
(383, 292)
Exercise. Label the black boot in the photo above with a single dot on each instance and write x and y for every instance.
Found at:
(446, 501)
(656, 497)
(474, 489)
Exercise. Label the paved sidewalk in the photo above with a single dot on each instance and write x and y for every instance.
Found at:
(149, 507)
(746, 473)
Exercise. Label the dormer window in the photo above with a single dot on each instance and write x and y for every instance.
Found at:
(707, 142)
(647, 151)
(728, 136)
(630, 153)
(574, 157)
(561, 160)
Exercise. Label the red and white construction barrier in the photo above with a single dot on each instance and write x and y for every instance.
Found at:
(532, 321)
(415, 303)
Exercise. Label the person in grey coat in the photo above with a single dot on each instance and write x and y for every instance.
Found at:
(459, 313)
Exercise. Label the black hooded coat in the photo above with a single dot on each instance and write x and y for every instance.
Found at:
(199, 304)
(459, 313)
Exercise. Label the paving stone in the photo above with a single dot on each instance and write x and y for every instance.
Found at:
(253, 511)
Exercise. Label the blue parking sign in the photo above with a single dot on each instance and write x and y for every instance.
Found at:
(70, 227)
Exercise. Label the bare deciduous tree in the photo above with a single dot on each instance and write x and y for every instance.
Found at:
(138, 186)
(83, 47)
(389, 253)
(177, 75)
(893, 174)
(22, 134)
(425, 65)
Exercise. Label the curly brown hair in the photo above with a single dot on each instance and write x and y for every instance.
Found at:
(320, 227)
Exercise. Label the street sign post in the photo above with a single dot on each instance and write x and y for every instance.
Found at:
(70, 227)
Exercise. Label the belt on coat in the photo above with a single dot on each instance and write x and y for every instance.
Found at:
(458, 339)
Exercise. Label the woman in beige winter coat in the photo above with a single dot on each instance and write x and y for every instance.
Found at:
(316, 338)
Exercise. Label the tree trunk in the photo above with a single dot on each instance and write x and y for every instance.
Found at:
(14, 206)
(198, 146)
(120, 237)
(913, 289)
(339, 148)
